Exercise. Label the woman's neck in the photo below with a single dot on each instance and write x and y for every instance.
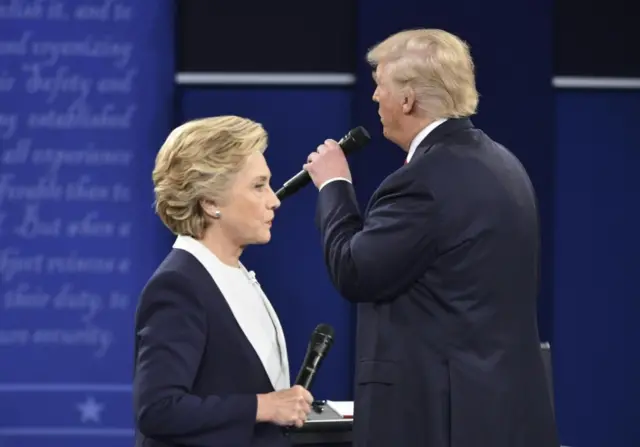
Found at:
(224, 249)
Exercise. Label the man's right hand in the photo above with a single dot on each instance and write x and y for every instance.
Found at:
(288, 407)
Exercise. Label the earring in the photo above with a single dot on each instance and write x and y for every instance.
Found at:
(217, 214)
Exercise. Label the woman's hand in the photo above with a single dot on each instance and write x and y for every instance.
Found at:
(288, 407)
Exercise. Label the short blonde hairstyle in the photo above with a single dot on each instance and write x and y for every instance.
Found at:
(436, 65)
(198, 162)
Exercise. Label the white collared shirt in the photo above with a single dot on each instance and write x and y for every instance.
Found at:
(250, 307)
(421, 136)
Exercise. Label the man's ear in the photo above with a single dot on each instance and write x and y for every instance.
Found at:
(408, 101)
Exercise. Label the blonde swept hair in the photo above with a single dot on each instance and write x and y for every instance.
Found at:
(433, 63)
(198, 162)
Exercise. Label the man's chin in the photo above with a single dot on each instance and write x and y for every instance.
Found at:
(388, 135)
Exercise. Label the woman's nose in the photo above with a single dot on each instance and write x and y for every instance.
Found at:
(275, 202)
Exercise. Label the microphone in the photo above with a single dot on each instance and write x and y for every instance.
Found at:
(355, 139)
(319, 345)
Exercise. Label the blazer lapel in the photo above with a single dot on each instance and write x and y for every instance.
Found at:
(282, 346)
(251, 330)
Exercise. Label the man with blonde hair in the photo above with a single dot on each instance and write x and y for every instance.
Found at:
(443, 264)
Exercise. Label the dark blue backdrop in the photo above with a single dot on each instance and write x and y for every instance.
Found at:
(596, 256)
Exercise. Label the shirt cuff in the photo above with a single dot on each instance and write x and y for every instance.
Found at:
(333, 180)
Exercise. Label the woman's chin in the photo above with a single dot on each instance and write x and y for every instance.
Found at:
(264, 237)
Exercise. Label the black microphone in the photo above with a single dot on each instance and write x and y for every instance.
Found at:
(319, 345)
(355, 139)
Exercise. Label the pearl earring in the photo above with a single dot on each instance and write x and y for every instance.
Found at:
(217, 214)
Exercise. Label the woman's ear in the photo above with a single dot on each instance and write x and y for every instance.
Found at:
(210, 208)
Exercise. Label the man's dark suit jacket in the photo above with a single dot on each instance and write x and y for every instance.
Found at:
(196, 373)
(444, 266)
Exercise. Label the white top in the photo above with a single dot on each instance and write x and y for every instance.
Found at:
(251, 309)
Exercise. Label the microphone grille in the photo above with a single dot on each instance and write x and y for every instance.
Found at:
(360, 136)
(324, 329)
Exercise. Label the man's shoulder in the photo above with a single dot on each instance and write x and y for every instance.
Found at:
(403, 182)
(461, 150)
(443, 163)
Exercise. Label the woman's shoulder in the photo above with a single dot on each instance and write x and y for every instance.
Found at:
(181, 272)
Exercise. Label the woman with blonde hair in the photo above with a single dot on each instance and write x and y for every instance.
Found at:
(211, 365)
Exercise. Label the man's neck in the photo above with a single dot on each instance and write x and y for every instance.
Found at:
(413, 129)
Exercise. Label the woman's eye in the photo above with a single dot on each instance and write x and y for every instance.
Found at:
(260, 186)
